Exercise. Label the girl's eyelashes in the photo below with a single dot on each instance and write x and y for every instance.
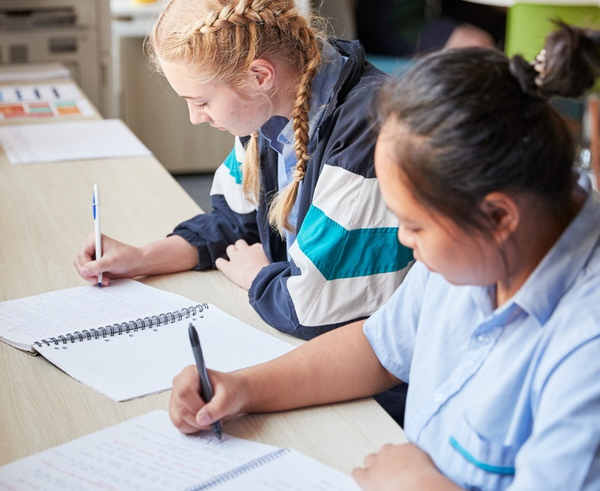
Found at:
(411, 228)
(201, 106)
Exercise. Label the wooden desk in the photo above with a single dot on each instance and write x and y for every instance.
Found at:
(45, 214)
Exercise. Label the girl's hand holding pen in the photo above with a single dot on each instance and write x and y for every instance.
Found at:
(121, 260)
(118, 260)
(188, 411)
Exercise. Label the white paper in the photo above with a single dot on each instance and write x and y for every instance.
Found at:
(26, 320)
(70, 140)
(144, 453)
(147, 453)
(33, 71)
(291, 472)
(128, 366)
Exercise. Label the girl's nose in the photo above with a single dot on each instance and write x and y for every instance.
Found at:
(199, 118)
(405, 237)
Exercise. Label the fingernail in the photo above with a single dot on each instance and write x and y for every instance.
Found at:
(203, 419)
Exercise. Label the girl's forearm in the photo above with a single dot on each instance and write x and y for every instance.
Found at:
(169, 255)
(336, 366)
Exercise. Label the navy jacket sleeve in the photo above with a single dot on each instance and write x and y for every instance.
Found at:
(232, 217)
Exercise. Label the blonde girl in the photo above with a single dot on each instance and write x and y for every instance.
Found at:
(297, 219)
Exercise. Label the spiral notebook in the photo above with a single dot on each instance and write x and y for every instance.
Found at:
(129, 340)
(152, 455)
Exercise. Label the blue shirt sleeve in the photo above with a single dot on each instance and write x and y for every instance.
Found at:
(392, 329)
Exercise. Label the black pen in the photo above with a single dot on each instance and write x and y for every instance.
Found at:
(205, 388)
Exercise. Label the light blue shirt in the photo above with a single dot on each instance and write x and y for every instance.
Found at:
(505, 398)
(280, 132)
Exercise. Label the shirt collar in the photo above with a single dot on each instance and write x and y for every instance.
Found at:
(271, 131)
(559, 269)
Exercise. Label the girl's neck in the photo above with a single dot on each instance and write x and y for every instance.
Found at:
(284, 96)
(530, 243)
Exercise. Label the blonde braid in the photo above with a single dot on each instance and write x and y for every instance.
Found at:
(251, 170)
(282, 205)
(220, 39)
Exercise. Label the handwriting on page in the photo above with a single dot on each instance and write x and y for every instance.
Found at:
(145, 453)
(60, 312)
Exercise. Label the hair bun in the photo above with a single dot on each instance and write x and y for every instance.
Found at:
(571, 62)
(525, 74)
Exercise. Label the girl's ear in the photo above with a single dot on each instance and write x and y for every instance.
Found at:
(262, 74)
(503, 214)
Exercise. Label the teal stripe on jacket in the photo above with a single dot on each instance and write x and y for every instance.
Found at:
(235, 167)
(340, 253)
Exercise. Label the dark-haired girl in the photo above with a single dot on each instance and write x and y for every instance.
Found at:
(497, 326)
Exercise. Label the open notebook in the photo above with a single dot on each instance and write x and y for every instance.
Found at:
(129, 340)
(148, 453)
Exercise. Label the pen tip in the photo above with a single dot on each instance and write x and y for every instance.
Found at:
(99, 285)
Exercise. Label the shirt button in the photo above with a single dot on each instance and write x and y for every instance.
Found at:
(439, 397)
(482, 338)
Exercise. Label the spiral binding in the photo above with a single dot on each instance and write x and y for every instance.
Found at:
(125, 327)
(238, 471)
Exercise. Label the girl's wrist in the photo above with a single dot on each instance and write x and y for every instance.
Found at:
(244, 391)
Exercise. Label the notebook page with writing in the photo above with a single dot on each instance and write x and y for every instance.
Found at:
(148, 453)
(26, 320)
(144, 453)
(144, 362)
(292, 471)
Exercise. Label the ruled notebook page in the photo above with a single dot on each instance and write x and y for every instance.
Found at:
(145, 453)
(148, 453)
(144, 362)
(291, 472)
(26, 320)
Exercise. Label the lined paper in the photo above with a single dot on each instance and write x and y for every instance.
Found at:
(145, 453)
(129, 366)
(26, 320)
(148, 453)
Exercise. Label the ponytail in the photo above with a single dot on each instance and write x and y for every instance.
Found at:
(567, 66)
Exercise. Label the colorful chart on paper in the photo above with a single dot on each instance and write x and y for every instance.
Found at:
(43, 101)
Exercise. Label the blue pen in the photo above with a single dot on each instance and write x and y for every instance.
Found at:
(96, 211)
(205, 388)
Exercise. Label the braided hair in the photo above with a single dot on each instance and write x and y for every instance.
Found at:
(219, 40)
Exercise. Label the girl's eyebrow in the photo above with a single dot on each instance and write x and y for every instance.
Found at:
(190, 97)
